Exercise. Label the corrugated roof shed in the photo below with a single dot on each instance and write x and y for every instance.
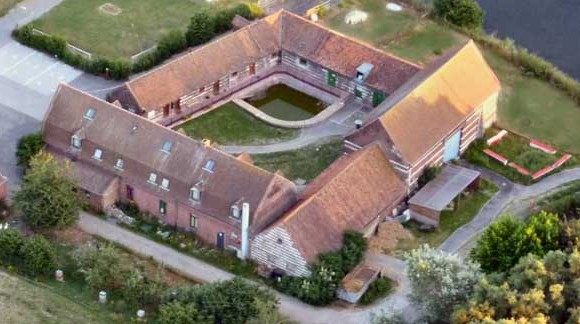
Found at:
(438, 193)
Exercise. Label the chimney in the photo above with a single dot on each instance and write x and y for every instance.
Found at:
(245, 230)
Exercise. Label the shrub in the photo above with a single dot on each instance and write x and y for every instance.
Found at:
(200, 29)
(28, 146)
(11, 242)
(102, 267)
(463, 13)
(171, 43)
(322, 11)
(47, 197)
(39, 256)
(255, 9)
(377, 290)
(179, 313)
(428, 175)
(141, 290)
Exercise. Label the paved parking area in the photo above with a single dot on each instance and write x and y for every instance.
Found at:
(33, 69)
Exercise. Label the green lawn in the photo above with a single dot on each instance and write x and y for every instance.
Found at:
(401, 33)
(137, 27)
(231, 125)
(305, 163)
(26, 301)
(6, 5)
(467, 208)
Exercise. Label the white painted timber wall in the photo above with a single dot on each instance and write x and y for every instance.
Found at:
(275, 248)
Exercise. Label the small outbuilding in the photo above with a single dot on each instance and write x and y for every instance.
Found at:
(357, 282)
(426, 205)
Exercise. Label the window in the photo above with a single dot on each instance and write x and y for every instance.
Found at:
(235, 211)
(120, 164)
(98, 155)
(167, 145)
(275, 55)
(201, 90)
(76, 142)
(162, 207)
(209, 166)
(195, 194)
(235, 75)
(90, 114)
(165, 184)
(152, 178)
(303, 62)
(192, 221)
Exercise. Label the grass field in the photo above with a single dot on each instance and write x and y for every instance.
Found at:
(25, 301)
(467, 208)
(136, 28)
(401, 33)
(231, 125)
(305, 163)
(6, 5)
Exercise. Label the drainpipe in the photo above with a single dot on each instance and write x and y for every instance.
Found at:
(245, 226)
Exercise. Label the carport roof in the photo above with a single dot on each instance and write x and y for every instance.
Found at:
(438, 193)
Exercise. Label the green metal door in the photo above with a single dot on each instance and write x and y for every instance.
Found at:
(331, 78)
(378, 97)
(358, 92)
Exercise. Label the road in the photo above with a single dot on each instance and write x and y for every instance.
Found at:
(548, 28)
(28, 80)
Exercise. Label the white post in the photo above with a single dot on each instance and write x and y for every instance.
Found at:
(245, 226)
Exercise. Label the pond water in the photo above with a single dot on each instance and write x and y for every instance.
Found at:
(285, 103)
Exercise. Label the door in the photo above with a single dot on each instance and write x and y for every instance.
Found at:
(378, 97)
(162, 207)
(216, 87)
(129, 192)
(252, 68)
(166, 110)
(452, 147)
(331, 78)
(220, 240)
(358, 92)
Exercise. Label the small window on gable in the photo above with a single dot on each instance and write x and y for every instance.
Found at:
(235, 211)
(209, 166)
(98, 155)
(120, 164)
(167, 145)
(76, 141)
(303, 62)
(90, 114)
(152, 178)
(195, 194)
(165, 183)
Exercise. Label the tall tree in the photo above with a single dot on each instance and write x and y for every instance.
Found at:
(48, 197)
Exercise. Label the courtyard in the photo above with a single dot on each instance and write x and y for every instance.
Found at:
(117, 28)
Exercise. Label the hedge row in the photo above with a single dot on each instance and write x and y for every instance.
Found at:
(170, 44)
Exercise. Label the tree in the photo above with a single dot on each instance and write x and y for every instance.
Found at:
(171, 43)
(39, 256)
(463, 13)
(495, 249)
(541, 233)
(180, 313)
(47, 198)
(439, 282)
(11, 242)
(141, 290)
(200, 29)
(101, 267)
(28, 147)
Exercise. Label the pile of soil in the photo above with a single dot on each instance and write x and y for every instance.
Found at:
(389, 234)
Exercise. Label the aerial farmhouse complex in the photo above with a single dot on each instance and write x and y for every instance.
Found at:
(400, 119)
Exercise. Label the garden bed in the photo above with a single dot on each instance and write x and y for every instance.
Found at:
(231, 125)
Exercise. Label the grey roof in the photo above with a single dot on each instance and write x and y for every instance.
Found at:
(438, 193)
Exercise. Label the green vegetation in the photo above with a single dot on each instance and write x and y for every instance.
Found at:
(285, 103)
(463, 13)
(48, 197)
(377, 290)
(450, 220)
(28, 146)
(320, 287)
(305, 163)
(232, 125)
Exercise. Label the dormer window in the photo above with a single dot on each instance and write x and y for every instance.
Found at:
(90, 114)
(209, 166)
(195, 194)
(235, 211)
(165, 184)
(152, 178)
(167, 145)
(75, 142)
(303, 62)
(120, 164)
(98, 155)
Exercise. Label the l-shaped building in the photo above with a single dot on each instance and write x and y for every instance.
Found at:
(417, 117)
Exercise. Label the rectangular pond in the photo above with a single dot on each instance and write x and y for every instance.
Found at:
(285, 103)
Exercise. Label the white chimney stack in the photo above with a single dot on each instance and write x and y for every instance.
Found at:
(245, 230)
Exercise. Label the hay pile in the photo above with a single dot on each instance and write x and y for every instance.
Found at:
(389, 234)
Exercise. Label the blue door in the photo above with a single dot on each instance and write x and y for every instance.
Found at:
(452, 147)
(220, 240)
